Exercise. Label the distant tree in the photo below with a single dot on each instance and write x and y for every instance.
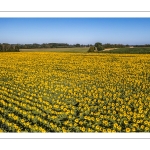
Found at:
(91, 49)
(1, 48)
(108, 45)
(99, 46)
(17, 48)
(77, 45)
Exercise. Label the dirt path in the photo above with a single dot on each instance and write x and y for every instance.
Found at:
(108, 49)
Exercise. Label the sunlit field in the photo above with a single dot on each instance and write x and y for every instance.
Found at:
(74, 92)
(69, 50)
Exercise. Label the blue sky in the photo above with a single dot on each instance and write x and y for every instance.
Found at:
(75, 30)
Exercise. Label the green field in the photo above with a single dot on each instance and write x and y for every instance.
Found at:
(136, 50)
(73, 50)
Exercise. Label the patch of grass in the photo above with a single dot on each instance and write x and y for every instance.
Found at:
(138, 50)
(70, 50)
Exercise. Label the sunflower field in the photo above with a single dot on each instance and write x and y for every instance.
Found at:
(74, 92)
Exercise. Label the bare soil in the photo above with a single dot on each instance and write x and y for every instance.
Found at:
(108, 49)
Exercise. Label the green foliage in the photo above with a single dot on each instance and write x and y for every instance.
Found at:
(91, 49)
(108, 45)
(50, 45)
(77, 45)
(137, 50)
(99, 46)
(9, 47)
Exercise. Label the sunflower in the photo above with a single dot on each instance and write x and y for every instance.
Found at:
(128, 129)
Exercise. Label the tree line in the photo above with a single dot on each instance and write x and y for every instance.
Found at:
(146, 45)
(50, 45)
(5, 47)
